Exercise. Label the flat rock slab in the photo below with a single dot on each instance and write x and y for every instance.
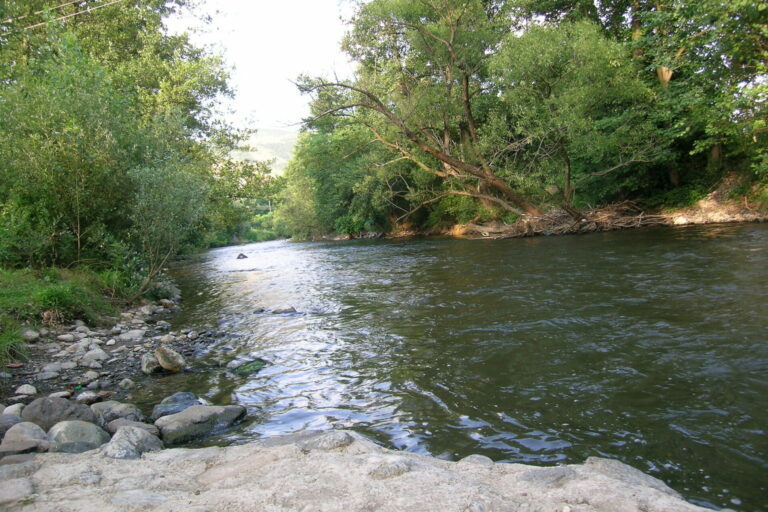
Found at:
(358, 476)
(197, 421)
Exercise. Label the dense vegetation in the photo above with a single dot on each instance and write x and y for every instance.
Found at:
(111, 157)
(479, 110)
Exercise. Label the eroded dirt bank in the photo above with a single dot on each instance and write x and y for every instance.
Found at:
(332, 471)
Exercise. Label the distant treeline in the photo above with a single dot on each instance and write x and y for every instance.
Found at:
(478, 110)
(111, 156)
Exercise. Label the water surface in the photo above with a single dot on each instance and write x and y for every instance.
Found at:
(649, 346)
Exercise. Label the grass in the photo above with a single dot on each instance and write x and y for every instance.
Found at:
(31, 298)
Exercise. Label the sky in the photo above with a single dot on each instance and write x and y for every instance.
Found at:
(269, 43)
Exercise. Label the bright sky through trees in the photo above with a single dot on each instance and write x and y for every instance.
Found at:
(270, 44)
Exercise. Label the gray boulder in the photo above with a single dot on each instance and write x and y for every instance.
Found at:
(173, 404)
(114, 425)
(14, 410)
(23, 437)
(26, 389)
(112, 410)
(47, 412)
(76, 437)
(169, 359)
(198, 421)
(130, 443)
(6, 422)
(150, 364)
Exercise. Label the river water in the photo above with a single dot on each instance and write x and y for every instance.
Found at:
(649, 346)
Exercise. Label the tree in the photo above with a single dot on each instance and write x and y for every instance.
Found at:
(574, 105)
(421, 89)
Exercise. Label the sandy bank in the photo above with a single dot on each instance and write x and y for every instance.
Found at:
(333, 471)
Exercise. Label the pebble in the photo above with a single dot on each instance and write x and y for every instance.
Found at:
(110, 342)
(68, 365)
(126, 383)
(87, 397)
(46, 375)
(26, 389)
(90, 375)
(61, 394)
(30, 335)
(52, 367)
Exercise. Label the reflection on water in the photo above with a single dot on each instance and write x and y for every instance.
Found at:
(649, 346)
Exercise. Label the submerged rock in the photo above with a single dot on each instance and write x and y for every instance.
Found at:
(198, 421)
(284, 311)
(174, 404)
(251, 367)
(114, 425)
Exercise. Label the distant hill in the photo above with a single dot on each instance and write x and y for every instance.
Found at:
(271, 144)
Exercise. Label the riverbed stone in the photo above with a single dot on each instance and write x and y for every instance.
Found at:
(198, 421)
(250, 367)
(46, 376)
(112, 410)
(169, 359)
(130, 443)
(76, 436)
(95, 354)
(52, 367)
(26, 389)
(132, 335)
(47, 412)
(173, 404)
(6, 422)
(60, 394)
(68, 365)
(24, 433)
(150, 364)
(68, 338)
(126, 383)
(284, 311)
(14, 410)
(114, 425)
(30, 335)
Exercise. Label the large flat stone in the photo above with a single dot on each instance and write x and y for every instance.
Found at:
(198, 421)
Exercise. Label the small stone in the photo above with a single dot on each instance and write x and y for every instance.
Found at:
(166, 339)
(130, 443)
(68, 365)
(82, 328)
(69, 338)
(46, 375)
(241, 256)
(30, 335)
(162, 325)
(52, 367)
(193, 335)
(26, 389)
(87, 397)
(76, 437)
(147, 310)
(89, 376)
(60, 394)
(167, 304)
(94, 365)
(169, 359)
(94, 385)
(95, 354)
(149, 364)
(126, 383)
(284, 311)
(132, 335)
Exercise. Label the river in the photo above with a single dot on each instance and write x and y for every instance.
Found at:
(649, 346)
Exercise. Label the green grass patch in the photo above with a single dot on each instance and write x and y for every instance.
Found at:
(32, 298)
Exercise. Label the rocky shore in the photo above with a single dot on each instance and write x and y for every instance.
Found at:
(331, 471)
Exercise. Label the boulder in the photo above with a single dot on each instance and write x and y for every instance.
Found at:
(6, 422)
(130, 443)
(24, 437)
(47, 412)
(14, 410)
(198, 421)
(112, 410)
(150, 364)
(26, 389)
(169, 359)
(114, 425)
(173, 404)
(76, 437)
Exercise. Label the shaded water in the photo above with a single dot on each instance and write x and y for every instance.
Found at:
(649, 346)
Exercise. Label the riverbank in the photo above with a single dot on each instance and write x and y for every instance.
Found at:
(332, 471)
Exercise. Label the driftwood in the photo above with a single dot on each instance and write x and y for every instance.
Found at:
(560, 222)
